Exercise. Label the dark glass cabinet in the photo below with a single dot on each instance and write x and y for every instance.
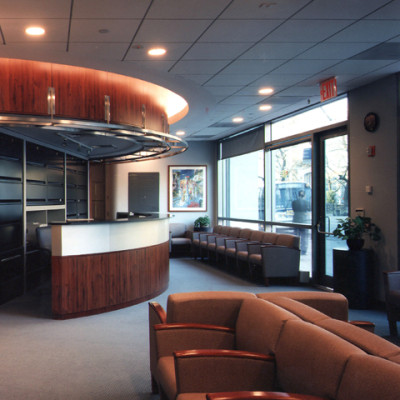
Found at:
(11, 218)
(55, 188)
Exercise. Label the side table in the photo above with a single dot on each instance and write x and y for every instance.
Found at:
(353, 276)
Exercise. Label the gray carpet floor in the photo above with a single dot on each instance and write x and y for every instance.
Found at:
(102, 356)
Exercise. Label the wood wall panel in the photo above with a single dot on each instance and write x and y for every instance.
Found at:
(79, 93)
(23, 86)
(91, 284)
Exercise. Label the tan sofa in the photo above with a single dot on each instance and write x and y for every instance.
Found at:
(269, 349)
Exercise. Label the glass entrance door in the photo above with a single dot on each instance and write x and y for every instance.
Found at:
(333, 200)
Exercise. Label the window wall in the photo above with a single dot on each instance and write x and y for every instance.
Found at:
(241, 190)
(271, 189)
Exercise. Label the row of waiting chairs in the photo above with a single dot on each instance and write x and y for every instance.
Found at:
(273, 254)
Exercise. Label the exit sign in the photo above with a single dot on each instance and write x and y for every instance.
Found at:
(328, 89)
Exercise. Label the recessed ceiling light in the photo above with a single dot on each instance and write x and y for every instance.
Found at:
(237, 119)
(265, 107)
(157, 51)
(181, 133)
(266, 90)
(34, 31)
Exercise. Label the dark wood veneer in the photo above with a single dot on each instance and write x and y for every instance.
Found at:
(91, 284)
(260, 396)
(178, 325)
(223, 353)
(79, 93)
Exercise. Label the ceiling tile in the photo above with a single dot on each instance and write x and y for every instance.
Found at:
(232, 79)
(198, 67)
(275, 51)
(31, 10)
(241, 100)
(215, 51)
(200, 79)
(101, 51)
(153, 31)
(32, 51)
(340, 9)
(301, 91)
(186, 9)
(278, 80)
(156, 65)
(223, 91)
(333, 51)
(14, 30)
(252, 66)
(87, 30)
(138, 51)
(308, 31)
(256, 9)
(383, 51)
(240, 31)
(304, 66)
(109, 8)
(361, 66)
(372, 31)
(389, 11)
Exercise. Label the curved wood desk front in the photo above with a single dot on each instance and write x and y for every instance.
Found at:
(104, 266)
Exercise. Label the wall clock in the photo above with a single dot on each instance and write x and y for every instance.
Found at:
(371, 122)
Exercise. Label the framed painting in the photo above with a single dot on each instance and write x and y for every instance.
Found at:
(187, 188)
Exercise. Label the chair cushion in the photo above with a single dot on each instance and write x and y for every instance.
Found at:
(288, 241)
(367, 341)
(303, 364)
(334, 305)
(256, 236)
(369, 377)
(177, 229)
(259, 326)
(304, 312)
(217, 308)
(269, 237)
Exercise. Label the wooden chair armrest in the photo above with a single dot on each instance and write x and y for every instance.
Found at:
(178, 337)
(367, 325)
(180, 325)
(260, 396)
(159, 311)
(223, 353)
(206, 371)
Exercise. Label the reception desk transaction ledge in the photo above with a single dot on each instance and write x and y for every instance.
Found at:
(104, 266)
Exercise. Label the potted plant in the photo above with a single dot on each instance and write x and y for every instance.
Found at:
(202, 224)
(353, 230)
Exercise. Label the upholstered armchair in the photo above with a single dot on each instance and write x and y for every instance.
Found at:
(392, 296)
(180, 239)
(279, 260)
(226, 248)
(252, 247)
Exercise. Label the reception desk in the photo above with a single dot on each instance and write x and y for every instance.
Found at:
(104, 266)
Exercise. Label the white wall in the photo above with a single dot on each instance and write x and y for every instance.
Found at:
(198, 153)
(380, 171)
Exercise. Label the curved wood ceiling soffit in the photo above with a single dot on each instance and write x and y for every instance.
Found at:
(85, 106)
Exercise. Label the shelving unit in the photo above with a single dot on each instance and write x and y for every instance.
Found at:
(31, 195)
(11, 218)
